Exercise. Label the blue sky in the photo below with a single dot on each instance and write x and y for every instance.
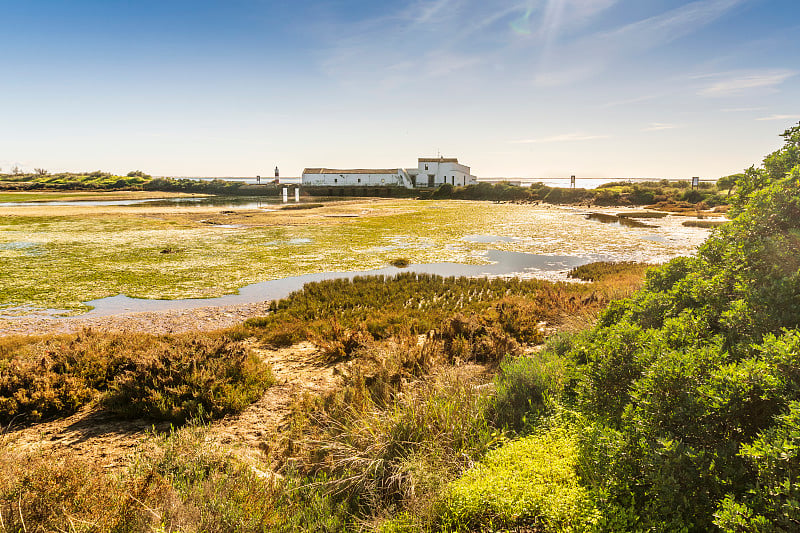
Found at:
(515, 88)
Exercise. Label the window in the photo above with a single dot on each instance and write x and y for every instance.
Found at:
(359, 180)
(426, 167)
(336, 180)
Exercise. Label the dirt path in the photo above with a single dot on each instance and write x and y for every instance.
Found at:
(96, 436)
(297, 371)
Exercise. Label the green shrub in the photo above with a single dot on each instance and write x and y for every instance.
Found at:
(771, 504)
(530, 482)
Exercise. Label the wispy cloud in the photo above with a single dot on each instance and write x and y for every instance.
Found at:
(660, 126)
(564, 137)
(780, 117)
(594, 53)
(421, 41)
(732, 83)
(742, 109)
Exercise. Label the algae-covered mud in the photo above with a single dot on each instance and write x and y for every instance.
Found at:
(57, 257)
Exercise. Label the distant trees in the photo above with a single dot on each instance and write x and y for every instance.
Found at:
(138, 174)
(727, 183)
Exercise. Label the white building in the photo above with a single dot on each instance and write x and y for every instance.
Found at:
(430, 172)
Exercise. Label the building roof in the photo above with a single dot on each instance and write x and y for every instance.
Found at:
(392, 171)
(438, 160)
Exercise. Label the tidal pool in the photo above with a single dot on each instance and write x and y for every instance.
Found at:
(95, 252)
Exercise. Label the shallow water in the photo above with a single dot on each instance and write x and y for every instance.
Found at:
(85, 258)
(488, 239)
(245, 202)
(628, 222)
(501, 264)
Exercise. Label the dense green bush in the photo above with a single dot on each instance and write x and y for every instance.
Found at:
(531, 482)
(692, 384)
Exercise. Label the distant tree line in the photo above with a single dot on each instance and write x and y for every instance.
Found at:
(614, 193)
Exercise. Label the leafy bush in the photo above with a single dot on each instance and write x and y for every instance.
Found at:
(530, 482)
(693, 382)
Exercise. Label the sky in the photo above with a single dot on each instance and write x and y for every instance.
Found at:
(513, 88)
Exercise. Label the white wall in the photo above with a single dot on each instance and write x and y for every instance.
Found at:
(353, 180)
(455, 174)
(441, 171)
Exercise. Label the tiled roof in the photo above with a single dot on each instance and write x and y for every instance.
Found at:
(392, 171)
(438, 160)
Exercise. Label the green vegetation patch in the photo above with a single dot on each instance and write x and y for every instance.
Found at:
(529, 482)
(458, 308)
(86, 255)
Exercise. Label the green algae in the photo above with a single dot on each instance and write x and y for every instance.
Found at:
(87, 255)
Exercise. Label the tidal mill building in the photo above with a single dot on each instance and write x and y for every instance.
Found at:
(430, 172)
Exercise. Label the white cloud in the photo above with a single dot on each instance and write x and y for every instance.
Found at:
(660, 126)
(564, 137)
(780, 117)
(733, 83)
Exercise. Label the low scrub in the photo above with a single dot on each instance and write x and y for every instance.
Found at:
(604, 271)
(614, 193)
(526, 387)
(397, 453)
(187, 378)
(413, 304)
(135, 374)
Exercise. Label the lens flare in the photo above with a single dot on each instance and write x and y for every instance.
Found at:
(522, 25)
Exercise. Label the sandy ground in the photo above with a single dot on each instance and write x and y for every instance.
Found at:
(97, 436)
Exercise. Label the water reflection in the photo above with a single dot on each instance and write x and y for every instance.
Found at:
(628, 222)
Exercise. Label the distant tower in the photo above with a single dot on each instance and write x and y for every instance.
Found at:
(572, 182)
(276, 173)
